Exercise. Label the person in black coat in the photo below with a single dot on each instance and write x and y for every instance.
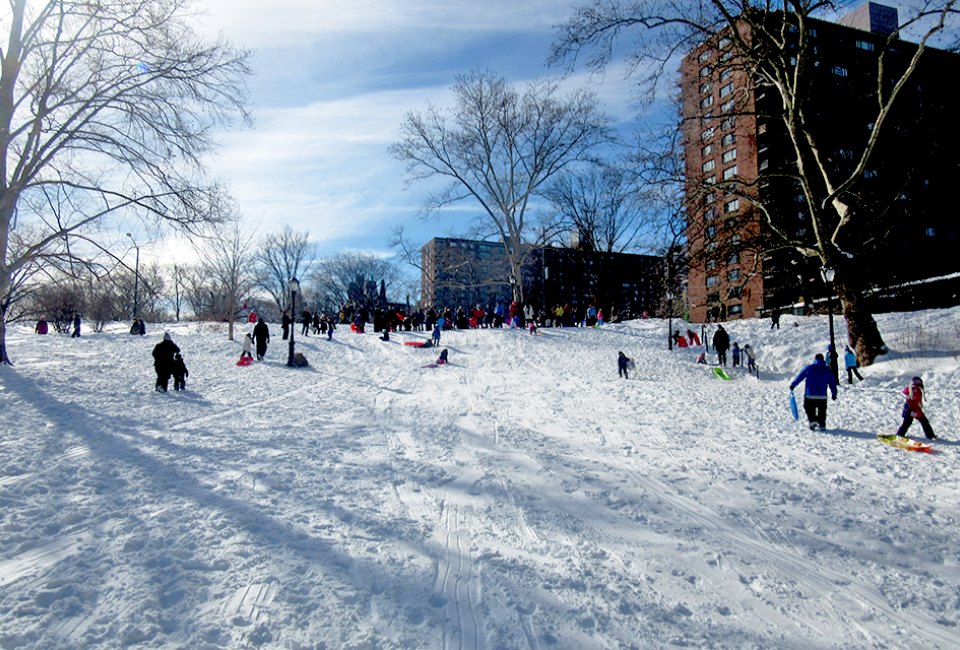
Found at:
(721, 341)
(180, 373)
(163, 354)
(261, 334)
(76, 327)
(623, 365)
(285, 325)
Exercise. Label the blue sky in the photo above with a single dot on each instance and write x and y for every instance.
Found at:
(333, 81)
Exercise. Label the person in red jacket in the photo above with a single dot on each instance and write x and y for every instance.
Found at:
(913, 409)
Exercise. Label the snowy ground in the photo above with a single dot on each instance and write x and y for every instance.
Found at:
(521, 497)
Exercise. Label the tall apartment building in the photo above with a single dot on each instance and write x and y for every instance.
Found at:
(463, 272)
(737, 153)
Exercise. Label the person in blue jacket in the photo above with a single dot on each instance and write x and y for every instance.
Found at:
(818, 379)
(850, 361)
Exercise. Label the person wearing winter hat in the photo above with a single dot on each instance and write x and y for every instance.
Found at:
(851, 364)
(913, 409)
(818, 378)
(163, 354)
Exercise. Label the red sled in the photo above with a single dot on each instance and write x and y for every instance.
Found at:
(415, 344)
(245, 361)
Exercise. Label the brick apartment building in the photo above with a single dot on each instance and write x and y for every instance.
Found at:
(736, 151)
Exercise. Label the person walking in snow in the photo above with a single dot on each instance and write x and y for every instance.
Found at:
(76, 326)
(436, 334)
(163, 361)
(42, 327)
(850, 361)
(285, 322)
(623, 365)
(751, 356)
(261, 334)
(307, 318)
(330, 328)
(247, 351)
(180, 372)
(735, 353)
(721, 343)
(818, 379)
(913, 409)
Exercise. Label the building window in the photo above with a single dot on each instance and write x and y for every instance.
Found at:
(706, 71)
(710, 180)
(734, 310)
(735, 292)
(764, 164)
(729, 156)
(728, 139)
(724, 42)
(726, 74)
(869, 173)
(709, 214)
(726, 90)
(733, 258)
(733, 275)
(727, 106)
(706, 87)
(839, 71)
(865, 45)
(712, 281)
(846, 154)
(710, 197)
(728, 123)
(706, 151)
(707, 134)
(726, 56)
(930, 232)
(706, 102)
(711, 264)
(704, 56)
(732, 205)
(708, 166)
(729, 173)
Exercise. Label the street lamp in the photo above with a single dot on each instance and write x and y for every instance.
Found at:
(828, 274)
(669, 320)
(294, 288)
(136, 278)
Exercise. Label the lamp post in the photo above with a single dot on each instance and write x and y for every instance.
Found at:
(669, 320)
(828, 274)
(136, 278)
(294, 285)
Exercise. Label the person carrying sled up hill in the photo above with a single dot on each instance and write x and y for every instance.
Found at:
(163, 361)
(913, 410)
(623, 365)
(247, 351)
(818, 379)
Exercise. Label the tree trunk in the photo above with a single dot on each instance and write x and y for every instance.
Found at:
(4, 359)
(863, 333)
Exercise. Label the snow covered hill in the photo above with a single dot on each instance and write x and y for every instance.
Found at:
(522, 496)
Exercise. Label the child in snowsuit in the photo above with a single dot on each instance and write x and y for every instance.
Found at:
(751, 360)
(735, 352)
(623, 365)
(443, 357)
(818, 378)
(913, 409)
(247, 351)
(180, 372)
(850, 361)
(436, 335)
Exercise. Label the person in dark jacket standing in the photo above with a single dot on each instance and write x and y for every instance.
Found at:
(819, 378)
(721, 342)
(623, 365)
(285, 322)
(261, 334)
(76, 326)
(163, 354)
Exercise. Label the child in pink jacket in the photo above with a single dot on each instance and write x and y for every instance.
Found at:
(913, 409)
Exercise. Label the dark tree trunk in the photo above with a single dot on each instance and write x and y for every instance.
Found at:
(864, 335)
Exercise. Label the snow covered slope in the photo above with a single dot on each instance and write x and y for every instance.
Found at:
(522, 496)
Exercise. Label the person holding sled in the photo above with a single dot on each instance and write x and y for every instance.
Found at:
(261, 334)
(163, 353)
(247, 351)
(818, 379)
(913, 410)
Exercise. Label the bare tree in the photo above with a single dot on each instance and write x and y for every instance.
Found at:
(773, 46)
(602, 205)
(106, 112)
(499, 147)
(351, 278)
(282, 256)
(228, 271)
